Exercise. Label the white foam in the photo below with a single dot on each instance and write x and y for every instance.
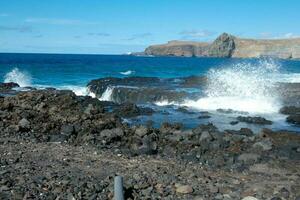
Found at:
(164, 103)
(243, 87)
(107, 94)
(20, 77)
(129, 72)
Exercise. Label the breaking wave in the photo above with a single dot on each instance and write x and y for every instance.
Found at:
(244, 87)
(20, 77)
(107, 94)
(78, 90)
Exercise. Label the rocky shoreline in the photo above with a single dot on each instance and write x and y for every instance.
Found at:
(56, 145)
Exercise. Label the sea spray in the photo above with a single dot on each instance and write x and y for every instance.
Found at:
(21, 77)
(107, 94)
(244, 87)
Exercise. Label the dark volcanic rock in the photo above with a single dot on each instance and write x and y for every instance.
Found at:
(254, 120)
(295, 119)
(137, 89)
(7, 86)
(288, 110)
(132, 110)
(293, 112)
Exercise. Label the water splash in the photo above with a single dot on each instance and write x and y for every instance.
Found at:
(21, 77)
(244, 87)
(107, 94)
(78, 90)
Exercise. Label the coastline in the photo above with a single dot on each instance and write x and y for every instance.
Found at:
(87, 143)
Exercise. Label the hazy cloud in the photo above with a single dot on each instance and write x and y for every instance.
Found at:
(21, 29)
(194, 34)
(290, 35)
(39, 36)
(99, 34)
(54, 21)
(139, 36)
(4, 15)
(268, 35)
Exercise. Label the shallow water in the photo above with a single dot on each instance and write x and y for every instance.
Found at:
(239, 84)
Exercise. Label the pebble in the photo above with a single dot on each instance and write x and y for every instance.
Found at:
(249, 198)
(184, 189)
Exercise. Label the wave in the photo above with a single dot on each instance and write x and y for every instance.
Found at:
(289, 78)
(107, 94)
(243, 87)
(129, 72)
(20, 77)
(78, 90)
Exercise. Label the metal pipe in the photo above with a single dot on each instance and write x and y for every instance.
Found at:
(118, 188)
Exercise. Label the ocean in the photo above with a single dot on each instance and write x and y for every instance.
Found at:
(238, 84)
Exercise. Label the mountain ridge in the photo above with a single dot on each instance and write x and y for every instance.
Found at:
(229, 46)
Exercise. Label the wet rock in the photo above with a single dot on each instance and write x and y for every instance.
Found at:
(254, 120)
(289, 110)
(204, 117)
(184, 110)
(4, 87)
(294, 119)
(131, 110)
(231, 111)
(184, 189)
(265, 144)
(167, 128)
(234, 122)
(136, 89)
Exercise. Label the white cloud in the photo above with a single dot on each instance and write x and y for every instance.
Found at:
(21, 29)
(196, 33)
(139, 36)
(55, 21)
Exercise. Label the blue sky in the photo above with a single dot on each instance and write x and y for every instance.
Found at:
(120, 26)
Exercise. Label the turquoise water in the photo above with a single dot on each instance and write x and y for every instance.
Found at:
(78, 70)
(239, 84)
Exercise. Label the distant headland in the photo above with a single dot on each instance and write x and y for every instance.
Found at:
(229, 46)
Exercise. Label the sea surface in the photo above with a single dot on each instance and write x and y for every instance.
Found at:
(239, 84)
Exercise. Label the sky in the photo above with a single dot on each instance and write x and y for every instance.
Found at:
(121, 26)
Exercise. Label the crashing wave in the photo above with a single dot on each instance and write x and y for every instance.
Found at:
(107, 94)
(20, 77)
(243, 87)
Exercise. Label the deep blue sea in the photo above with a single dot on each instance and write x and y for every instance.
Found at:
(239, 84)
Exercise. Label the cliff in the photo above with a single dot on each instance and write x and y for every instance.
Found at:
(227, 45)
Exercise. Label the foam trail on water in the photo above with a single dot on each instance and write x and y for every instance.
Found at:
(107, 94)
(243, 87)
(21, 77)
(129, 72)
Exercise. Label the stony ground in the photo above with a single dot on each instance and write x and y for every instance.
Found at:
(55, 145)
(60, 171)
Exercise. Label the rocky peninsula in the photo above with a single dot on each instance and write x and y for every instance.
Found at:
(56, 145)
(230, 46)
